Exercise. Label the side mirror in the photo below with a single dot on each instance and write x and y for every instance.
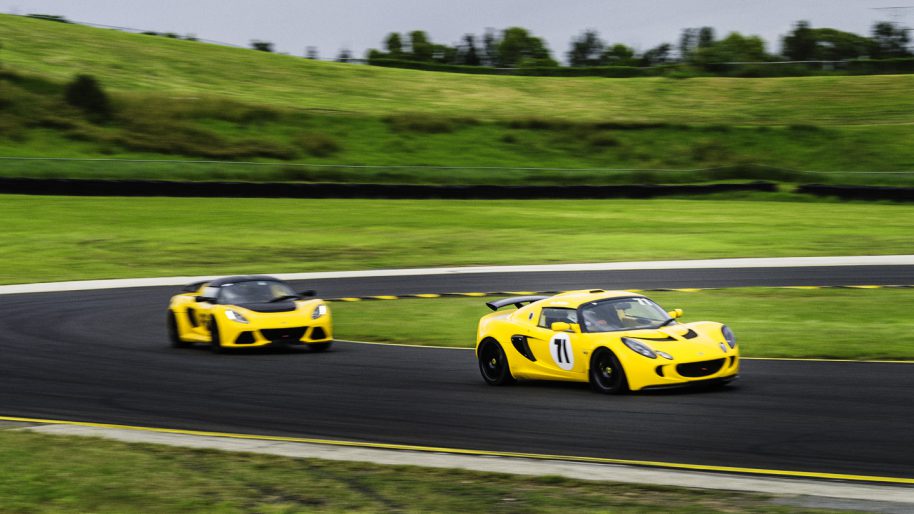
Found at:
(675, 313)
(309, 292)
(203, 299)
(561, 326)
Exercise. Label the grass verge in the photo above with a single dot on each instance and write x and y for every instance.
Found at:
(768, 322)
(71, 238)
(70, 474)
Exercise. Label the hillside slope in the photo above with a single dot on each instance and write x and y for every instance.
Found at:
(183, 100)
(155, 64)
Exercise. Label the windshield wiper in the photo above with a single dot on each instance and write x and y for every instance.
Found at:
(284, 297)
(667, 322)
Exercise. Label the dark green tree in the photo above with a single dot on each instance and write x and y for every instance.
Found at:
(733, 48)
(85, 93)
(394, 45)
(490, 48)
(889, 40)
(518, 46)
(800, 44)
(656, 56)
(706, 37)
(468, 54)
(421, 49)
(619, 55)
(836, 45)
(688, 43)
(345, 55)
(263, 46)
(586, 49)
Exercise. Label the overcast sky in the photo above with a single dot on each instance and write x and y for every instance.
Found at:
(329, 25)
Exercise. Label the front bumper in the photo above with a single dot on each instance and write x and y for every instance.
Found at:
(252, 337)
(663, 374)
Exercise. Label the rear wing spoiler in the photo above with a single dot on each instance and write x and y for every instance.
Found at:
(517, 301)
(193, 286)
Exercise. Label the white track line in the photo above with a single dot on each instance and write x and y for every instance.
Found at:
(778, 262)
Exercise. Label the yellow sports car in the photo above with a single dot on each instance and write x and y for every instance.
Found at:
(247, 312)
(616, 340)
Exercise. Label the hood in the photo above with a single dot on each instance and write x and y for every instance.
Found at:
(287, 306)
(692, 341)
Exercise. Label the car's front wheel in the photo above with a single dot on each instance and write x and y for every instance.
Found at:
(216, 344)
(493, 364)
(606, 373)
(173, 335)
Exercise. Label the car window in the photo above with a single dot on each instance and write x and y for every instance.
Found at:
(253, 291)
(622, 314)
(550, 315)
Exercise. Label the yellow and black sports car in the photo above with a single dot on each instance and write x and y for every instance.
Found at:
(616, 340)
(246, 312)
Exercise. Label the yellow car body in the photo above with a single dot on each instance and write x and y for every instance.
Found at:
(215, 313)
(616, 340)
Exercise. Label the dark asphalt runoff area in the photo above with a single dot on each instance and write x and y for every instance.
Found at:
(103, 356)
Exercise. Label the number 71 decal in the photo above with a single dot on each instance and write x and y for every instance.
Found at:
(560, 349)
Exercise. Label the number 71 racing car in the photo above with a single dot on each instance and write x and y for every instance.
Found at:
(615, 340)
(247, 312)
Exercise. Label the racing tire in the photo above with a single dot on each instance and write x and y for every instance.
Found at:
(493, 364)
(216, 341)
(606, 374)
(173, 336)
(319, 347)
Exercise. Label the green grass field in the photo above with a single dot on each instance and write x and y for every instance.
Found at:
(248, 105)
(72, 474)
(70, 238)
(768, 322)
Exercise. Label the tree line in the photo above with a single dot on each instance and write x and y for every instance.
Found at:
(516, 47)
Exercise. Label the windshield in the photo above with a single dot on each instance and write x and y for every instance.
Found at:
(253, 291)
(622, 314)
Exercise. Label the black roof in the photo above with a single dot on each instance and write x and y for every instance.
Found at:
(239, 278)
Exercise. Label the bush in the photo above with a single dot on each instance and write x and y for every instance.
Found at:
(602, 140)
(423, 123)
(536, 123)
(85, 93)
(318, 145)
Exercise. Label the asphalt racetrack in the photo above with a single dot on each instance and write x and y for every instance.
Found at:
(103, 356)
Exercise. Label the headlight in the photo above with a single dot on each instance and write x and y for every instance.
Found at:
(639, 348)
(235, 316)
(728, 335)
(664, 355)
(319, 311)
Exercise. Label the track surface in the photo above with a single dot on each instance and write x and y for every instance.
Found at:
(101, 356)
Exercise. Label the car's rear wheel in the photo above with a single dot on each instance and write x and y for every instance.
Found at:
(606, 373)
(319, 347)
(173, 335)
(216, 344)
(493, 364)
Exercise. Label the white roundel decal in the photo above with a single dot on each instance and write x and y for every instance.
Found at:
(560, 348)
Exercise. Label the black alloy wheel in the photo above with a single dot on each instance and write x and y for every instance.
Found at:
(216, 345)
(606, 373)
(493, 364)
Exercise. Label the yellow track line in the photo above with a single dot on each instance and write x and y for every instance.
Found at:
(484, 453)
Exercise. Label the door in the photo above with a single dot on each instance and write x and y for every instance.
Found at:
(558, 354)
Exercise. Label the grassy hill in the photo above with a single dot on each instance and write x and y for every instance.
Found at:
(184, 99)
